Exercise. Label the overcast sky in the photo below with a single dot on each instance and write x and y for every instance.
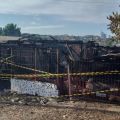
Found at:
(73, 17)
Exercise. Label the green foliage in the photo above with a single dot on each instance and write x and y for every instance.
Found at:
(10, 30)
(114, 25)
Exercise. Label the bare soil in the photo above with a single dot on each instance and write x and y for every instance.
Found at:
(61, 111)
(25, 107)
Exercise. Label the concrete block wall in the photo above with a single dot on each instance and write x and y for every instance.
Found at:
(34, 87)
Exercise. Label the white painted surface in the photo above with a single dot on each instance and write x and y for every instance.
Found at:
(34, 87)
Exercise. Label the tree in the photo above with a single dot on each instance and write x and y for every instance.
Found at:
(1, 31)
(11, 30)
(114, 25)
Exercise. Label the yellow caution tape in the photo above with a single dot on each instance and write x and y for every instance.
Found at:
(27, 68)
(5, 60)
(62, 75)
(89, 93)
(46, 74)
(78, 94)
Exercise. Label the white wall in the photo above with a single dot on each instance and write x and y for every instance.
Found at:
(34, 87)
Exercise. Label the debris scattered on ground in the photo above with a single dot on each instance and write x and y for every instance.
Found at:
(26, 107)
(14, 98)
(15, 112)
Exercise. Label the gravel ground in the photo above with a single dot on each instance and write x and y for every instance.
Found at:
(24, 107)
(17, 112)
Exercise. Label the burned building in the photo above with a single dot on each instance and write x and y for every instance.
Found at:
(40, 54)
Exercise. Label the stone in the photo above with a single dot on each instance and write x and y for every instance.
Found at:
(12, 100)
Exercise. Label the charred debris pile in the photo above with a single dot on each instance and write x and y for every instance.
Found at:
(49, 54)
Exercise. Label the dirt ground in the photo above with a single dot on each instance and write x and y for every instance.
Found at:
(61, 111)
(25, 107)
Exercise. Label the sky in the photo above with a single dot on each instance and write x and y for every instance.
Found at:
(58, 17)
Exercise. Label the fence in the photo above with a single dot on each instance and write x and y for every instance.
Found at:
(74, 73)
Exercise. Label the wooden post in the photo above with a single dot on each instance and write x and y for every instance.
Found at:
(57, 67)
(11, 54)
(69, 81)
(35, 63)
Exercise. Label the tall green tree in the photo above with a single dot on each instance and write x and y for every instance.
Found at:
(11, 30)
(114, 25)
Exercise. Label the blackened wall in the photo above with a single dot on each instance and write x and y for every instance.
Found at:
(4, 84)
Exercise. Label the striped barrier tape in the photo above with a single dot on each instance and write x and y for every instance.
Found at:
(27, 68)
(61, 75)
(46, 74)
(88, 93)
(85, 93)
(93, 92)
(4, 60)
